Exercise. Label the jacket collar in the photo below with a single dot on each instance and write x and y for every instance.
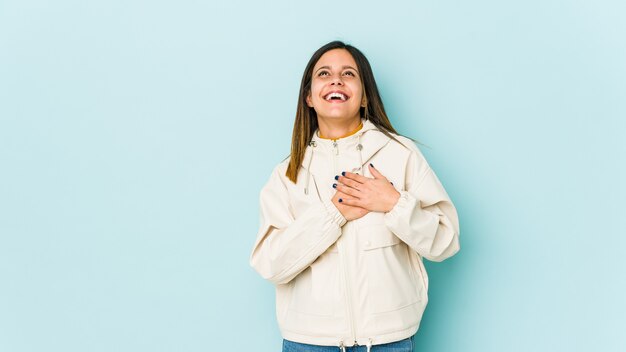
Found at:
(371, 139)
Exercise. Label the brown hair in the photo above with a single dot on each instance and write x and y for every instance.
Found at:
(306, 117)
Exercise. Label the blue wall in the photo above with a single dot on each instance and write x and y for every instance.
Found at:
(136, 135)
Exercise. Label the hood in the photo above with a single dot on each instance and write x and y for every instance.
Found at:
(368, 140)
(369, 137)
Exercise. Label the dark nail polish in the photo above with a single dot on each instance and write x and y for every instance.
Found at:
(343, 173)
(340, 200)
(334, 185)
(336, 177)
(372, 165)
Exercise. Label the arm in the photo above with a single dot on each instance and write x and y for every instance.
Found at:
(286, 246)
(424, 216)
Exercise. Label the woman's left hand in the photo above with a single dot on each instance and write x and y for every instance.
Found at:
(373, 194)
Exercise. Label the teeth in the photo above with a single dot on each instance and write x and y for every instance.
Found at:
(337, 95)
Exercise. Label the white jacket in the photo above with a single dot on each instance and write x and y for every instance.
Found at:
(359, 282)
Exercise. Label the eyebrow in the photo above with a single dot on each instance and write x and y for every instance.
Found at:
(344, 67)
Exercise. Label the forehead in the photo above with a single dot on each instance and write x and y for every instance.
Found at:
(336, 58)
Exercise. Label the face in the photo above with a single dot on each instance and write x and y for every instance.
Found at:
(336, 89)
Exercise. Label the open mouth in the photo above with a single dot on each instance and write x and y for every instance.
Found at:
(335, 96)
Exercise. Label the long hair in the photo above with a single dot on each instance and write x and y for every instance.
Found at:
(306, 118)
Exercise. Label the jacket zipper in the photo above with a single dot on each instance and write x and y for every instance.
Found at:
(348, 291)
(346, 272)
(335, 154)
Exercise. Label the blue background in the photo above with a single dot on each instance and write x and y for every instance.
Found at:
(136, 135)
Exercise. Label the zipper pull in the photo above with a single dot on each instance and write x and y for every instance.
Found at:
(335, 146)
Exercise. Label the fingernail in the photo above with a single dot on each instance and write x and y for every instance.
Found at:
(372, 165)
(391, 182)
(336, 177)
(340, 200)
(343, 173)
(334, 185)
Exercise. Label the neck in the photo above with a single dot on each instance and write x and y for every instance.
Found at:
(335, 129)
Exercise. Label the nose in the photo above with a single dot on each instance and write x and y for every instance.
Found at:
(337, 81)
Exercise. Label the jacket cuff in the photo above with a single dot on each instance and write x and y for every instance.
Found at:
(336, 216)
(405, 200)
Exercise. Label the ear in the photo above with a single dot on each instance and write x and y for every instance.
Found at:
(364, 101)
(309, 102)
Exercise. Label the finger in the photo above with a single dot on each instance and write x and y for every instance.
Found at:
(344, 198)
(344, 195)
(354, 202)
(349, 182)
(375, 173)
(348, 190)
(356, 177)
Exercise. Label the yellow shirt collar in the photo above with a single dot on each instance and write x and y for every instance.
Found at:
(347, 135)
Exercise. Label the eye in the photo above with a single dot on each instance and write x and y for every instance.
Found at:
(349, 73)
(322, 73)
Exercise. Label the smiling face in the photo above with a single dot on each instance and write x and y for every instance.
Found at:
(336, 88)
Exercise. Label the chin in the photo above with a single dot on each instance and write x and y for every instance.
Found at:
(338, 115)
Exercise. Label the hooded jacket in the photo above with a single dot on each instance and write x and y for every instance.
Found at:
(359, 282)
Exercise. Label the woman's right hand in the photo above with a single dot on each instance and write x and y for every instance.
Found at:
(348, 211)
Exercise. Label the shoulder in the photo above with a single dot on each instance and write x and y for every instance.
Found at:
(280, 169)
(278, 175)
(409, 145)
(417, 165)
(282, 166)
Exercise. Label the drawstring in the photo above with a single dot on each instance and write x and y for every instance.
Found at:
(313, 144)
(342, 348)
(308, 168)
(359, 147)
(368, 345)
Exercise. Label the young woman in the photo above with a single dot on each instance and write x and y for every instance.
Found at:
(347, 218)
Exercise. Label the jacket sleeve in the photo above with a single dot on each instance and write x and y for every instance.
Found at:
(424, 216)
(285, 246)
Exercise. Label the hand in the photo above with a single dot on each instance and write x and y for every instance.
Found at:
(373, 194)
(348, 211)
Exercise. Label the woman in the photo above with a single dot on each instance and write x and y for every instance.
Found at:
(347, 218)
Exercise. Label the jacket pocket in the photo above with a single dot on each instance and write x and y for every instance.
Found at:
(317, 289)
(379, 237)
(422, 270)
(390, 275)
